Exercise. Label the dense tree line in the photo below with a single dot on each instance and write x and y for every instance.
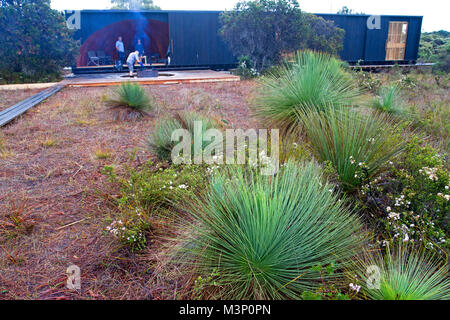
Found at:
(435, 47)
(35, 44)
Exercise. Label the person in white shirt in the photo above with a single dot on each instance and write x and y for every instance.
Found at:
(132, 58)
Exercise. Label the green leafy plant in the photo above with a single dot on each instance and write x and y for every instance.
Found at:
(130, 100)
(152, 187)
(404, 274)
(147, 193)
(358, 146)
(367, 81)
(266, 29)
(263, 234)
(160, 141)
(390, 101)
(245, 69)
(414, 198)
(36, 42)
(311, 81)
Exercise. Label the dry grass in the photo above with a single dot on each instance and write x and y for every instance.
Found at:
(51, 161)
(8, 98)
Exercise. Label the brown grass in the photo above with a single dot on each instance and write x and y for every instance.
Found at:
(8, 98)
(50, 178)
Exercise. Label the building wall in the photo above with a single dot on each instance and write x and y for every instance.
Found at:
(194, 41)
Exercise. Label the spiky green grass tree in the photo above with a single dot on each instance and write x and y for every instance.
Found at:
(390, 101)
(263, 235)
(405, 273)
(358, 146)
(312, 80)
(160, 141)
(130, 101)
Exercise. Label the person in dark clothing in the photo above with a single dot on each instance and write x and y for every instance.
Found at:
(140, 47)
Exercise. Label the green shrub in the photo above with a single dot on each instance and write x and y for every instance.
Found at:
(405, 274)
(263, 235)
(131, 96)
(389, 100)
(367, 81)
(245, 69)
(152, 187)
(414, 197)
(146, 193)
(160, 141)
(312, 81)
(358, 146)
(435, 121)
(36, 43)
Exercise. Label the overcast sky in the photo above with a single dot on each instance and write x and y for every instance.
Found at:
(435, 12)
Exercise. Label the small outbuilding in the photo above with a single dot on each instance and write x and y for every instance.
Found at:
(190, 39)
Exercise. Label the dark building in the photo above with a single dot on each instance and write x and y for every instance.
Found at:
(190, 38)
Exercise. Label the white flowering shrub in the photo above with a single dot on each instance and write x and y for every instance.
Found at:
(414, 198)
(146, 192)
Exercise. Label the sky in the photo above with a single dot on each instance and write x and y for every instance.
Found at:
(435, 12)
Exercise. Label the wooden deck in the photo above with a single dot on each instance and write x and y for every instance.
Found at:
(166, 77)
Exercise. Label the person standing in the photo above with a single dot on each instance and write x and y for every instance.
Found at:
(140, 47)
(120, 52)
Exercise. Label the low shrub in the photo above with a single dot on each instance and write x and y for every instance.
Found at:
(434, 121)
(245, 69)
(413, 198)
(367, 81)
(263, 235)
(160, 141)
(147, 193)
(357, 146)
(152, 187)
(130, 100)
(389, 100)
(404, 274)
(311, 81)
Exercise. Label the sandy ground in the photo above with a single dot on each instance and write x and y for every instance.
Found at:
(51, 178)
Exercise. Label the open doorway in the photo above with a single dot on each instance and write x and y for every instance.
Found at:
(396, 42)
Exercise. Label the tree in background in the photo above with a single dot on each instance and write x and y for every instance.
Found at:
(264, 30)
(134, 5)
(346, 10)
(435, 47)
(35, 43)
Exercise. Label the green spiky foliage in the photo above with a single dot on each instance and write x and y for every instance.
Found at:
(130, 95)
(390, 101)
(311, 80)
(160, 141)
(406, 273)
(358, 146)
(262, 235)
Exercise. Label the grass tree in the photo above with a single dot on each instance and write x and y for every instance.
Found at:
(130, 101)
(160, 141)
(404, 273)
(390, 101)
(358, 146)
(262, 235)
(311, 80)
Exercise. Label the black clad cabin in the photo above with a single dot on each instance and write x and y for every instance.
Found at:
(192, 41)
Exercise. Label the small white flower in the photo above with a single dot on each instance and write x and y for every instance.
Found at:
(388, 209)
(354, 287)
